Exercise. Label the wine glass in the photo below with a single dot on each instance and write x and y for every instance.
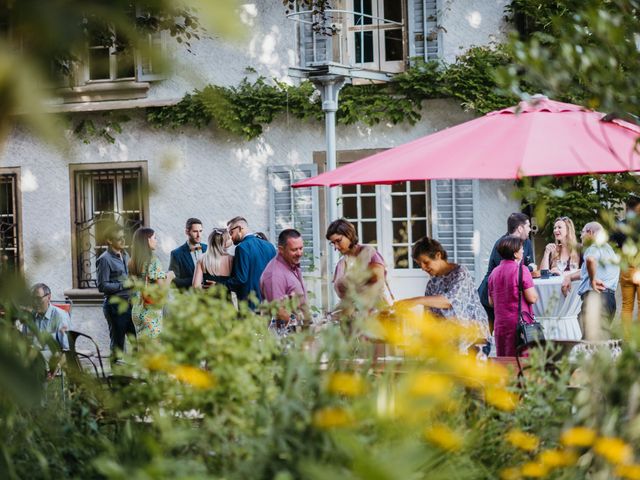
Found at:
(561, 265)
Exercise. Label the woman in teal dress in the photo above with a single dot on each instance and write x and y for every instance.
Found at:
(147, 313)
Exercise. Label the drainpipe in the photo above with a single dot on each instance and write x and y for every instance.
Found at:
(329, 87)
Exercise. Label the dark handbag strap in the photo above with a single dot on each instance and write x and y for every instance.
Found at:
(520, 292)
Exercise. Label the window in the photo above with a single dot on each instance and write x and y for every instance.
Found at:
(376, 34)
(360, 207)
(10, 251)
(404, 221)
(106, 61)
(104, 195)
(410, 220)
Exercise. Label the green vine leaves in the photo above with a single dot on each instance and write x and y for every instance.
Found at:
(246, 109)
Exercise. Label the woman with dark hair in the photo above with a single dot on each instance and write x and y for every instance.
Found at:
(361, 268)
(215, 262)
(451, 291)
(145, 313)
(503, 294)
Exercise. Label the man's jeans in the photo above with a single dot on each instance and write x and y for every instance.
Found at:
(607, 306)
(120, 324)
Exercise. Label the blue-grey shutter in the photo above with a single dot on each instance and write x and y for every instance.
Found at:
(424, 34)
(315, 48)
(147, 69)
(454, 221)
(295, 208)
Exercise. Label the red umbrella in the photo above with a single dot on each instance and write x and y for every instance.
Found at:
(541, 137)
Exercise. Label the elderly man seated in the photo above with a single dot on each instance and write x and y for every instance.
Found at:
(47, 317)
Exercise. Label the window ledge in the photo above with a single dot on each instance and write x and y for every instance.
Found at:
(104, 91)
(84, 296)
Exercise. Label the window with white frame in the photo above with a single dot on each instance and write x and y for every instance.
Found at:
(360, 206)
(404, 220)
(102, 197)
(376, 34)
(107, 60)
(410, 220)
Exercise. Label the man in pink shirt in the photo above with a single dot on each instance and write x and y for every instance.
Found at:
(282, 279)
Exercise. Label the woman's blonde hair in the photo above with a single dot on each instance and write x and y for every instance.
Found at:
(216, 249)
(571, 243)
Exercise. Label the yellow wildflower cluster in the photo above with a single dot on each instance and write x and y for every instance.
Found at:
(443, 437)
(630, 472)
(423, 336)
(522, 440)
(332, 417)
(348, 384)
(578, 437)
(188, 374)
(614, 450)
(544, 463)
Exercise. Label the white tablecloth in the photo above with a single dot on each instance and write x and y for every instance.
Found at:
(557, 314)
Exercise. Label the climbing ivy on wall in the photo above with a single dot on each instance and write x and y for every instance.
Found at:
(245, 110)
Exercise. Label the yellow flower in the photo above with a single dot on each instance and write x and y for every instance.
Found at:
(578, 437)
(534, 470)
(614, 450)
(557, 458)
(428, 384)
(158, 363)
(501, 398)
(631, 472)
(522, 440)
(342, 383)
(443, 437)
(475, 374)
(194, 376)
(332, 417)
(510, 474)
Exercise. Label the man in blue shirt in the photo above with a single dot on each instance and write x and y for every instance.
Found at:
(48, 318)
(251, 256)
(598, 276)
(113, 271)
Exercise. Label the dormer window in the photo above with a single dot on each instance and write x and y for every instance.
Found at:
(376, 34)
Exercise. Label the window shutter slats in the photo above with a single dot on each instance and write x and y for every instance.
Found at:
(294, 208)
(146, 68)
(423, 29)
(454, 225)
(315, 47)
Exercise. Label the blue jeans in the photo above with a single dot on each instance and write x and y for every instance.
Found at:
(608, 306)
(120, 324)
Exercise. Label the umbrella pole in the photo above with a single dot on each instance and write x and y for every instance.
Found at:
(329, 86)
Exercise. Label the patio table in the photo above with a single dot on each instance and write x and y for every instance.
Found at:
(557, 314)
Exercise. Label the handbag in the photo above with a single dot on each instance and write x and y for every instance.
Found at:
(529, 329)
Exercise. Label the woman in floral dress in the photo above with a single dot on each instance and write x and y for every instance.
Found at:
(451, 293)
(147, 313)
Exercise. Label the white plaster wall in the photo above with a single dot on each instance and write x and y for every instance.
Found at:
(467, 23)
(267, 44)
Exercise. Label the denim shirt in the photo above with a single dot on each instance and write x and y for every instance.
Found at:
(113, 270)
(53, 321)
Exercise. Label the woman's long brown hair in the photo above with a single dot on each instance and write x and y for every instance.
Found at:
(141, 252)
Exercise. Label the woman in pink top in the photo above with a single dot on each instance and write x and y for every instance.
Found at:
(503, 294)
(360, 273)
